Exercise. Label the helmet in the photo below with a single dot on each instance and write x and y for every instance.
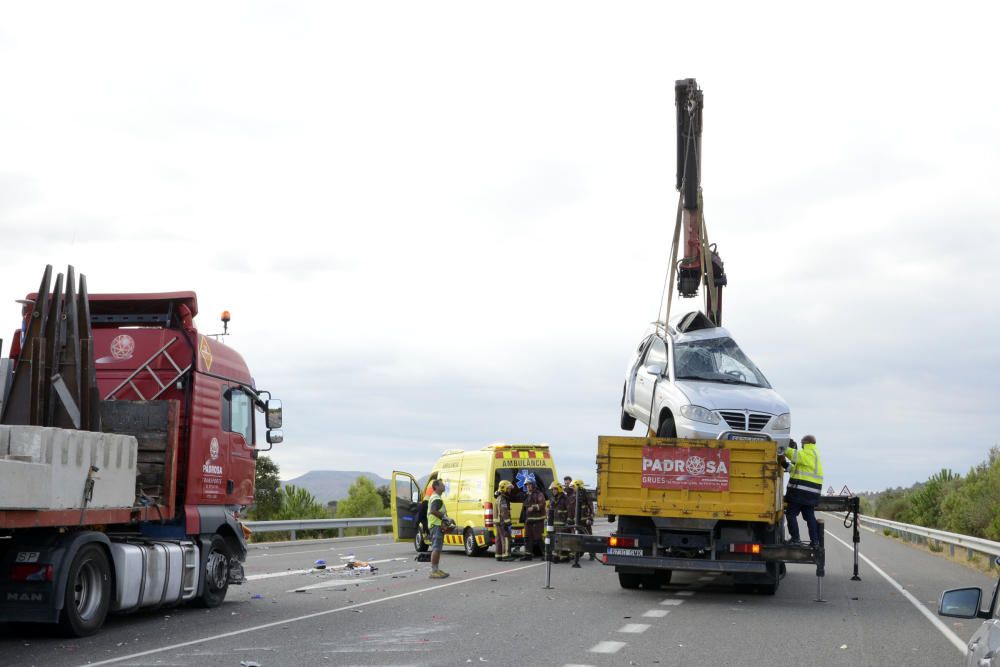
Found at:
(578, 483)
(504, 486)
(555, 487)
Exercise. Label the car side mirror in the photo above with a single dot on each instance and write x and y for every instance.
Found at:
(275, 437)
(273, 413)
(962, 603)
(655, 369)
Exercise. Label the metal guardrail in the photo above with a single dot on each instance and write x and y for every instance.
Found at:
(318, 524)
(922, 535)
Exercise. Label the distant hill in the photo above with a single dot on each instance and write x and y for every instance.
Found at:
(327, 485)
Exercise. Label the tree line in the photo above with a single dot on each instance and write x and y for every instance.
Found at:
(968, 504)
(274, 502)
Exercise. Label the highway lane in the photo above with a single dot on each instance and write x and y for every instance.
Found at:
(499, 613)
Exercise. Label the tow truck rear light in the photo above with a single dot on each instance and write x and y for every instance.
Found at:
(30, 572)
(744, 548)
(488, 514)
(623, 542)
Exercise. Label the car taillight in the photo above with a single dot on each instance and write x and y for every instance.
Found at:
(623, 542)
(488, 514)
(30, 572)
(744, 548)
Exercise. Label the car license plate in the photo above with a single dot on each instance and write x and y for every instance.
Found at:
(517, 532)
(743, 437)
(615, 551)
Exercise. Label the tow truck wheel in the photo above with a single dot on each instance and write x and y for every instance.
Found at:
(418, 541)
(629, 580)
(216, 574)
(88, 592)
(627, 421)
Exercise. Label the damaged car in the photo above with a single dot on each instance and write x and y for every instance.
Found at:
(691, 380)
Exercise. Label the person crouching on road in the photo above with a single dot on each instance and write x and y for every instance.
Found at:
(502, 522)
(805, 485)
(436, 516)
(534, 517)
(586, 525)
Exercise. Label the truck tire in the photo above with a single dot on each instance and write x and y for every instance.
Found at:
(626, 420)
(629, 580)
(418, 541)
(88, 592)
(216, 574)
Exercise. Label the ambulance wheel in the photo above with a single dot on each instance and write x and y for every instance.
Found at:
(216, 574)
(88, 592)
(627, 421)
(418, 541)
(629, 580)
(471, 548)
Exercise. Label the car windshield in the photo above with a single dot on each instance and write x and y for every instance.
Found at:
(716, 360)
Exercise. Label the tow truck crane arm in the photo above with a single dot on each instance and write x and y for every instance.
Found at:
(700, 262)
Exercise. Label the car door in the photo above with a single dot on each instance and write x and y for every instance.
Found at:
(984, 646)
(645, 381)
(404, 498)
(633, 367)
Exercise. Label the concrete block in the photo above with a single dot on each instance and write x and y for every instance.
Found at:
(65, 456)
(4, 440)
(24, 486)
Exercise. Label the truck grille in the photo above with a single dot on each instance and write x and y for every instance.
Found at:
(738, 420)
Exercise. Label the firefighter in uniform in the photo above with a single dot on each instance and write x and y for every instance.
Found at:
(534, 517)
(805, 485)
(586, 525)
(502, 522)
(560, 515)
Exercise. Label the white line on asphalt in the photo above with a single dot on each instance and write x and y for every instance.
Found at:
(656, 613)
(577, 666)
(607, 647)
(271, 575)
(306, 617)
(672, 602)
(634, 628)
(935, 621)
(686, 594)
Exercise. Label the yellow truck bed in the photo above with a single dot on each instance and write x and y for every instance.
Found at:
(695, 479)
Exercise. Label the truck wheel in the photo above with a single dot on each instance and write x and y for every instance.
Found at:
(88, 592)
(418, 541)
(629, 580)
(216, 574)
(627, 421)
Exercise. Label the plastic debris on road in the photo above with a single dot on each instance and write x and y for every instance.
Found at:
(249, 663)
(320, 564)
(256, 596)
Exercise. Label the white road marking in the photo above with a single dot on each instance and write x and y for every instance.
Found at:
(686, 594)
(271, 575)
(577, 666)
(935, 621)
(634, 628)
(607, 647)
(656, 613)
(672, 602)
(306, 617)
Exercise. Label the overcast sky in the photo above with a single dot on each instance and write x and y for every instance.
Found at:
(445, 225)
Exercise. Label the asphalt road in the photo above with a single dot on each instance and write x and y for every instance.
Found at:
(292, 614)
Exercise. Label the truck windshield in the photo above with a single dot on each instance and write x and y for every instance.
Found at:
(716, 360)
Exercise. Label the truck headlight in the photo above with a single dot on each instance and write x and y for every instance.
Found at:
(699, 414)
(782, 422)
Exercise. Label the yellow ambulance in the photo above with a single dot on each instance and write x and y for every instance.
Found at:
(470, 480)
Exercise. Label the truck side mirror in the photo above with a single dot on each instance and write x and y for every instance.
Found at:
(275, 437)
(273, 413)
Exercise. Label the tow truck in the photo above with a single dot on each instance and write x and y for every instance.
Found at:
(692, 504)
(127, 450)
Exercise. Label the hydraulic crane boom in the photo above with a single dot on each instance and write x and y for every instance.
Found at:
(700, 262)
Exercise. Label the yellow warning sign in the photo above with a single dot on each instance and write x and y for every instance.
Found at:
(206, 353)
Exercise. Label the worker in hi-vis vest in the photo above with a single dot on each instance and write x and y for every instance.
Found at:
(805, 485)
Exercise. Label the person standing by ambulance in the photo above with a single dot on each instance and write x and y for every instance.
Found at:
(534, 517)
(502, 521)
(436, 515)
(560, 515)
(580, 495)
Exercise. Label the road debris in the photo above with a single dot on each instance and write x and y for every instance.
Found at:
(320, 564)
(249, 663)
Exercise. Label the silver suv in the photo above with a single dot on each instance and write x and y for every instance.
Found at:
(691, 380)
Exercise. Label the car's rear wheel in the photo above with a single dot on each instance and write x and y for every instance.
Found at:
(626, 420)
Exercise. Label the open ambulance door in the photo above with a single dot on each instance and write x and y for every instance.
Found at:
(405, 503)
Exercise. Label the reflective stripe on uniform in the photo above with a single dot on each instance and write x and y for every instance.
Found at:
(432, 520)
